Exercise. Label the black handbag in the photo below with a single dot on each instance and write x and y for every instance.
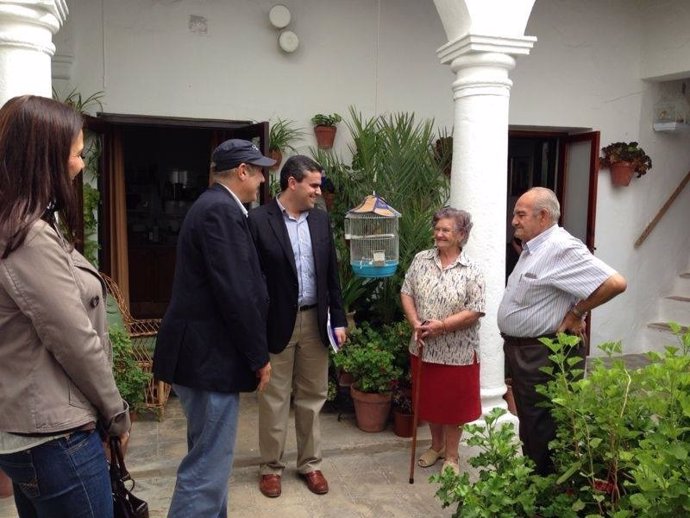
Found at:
(125, 504)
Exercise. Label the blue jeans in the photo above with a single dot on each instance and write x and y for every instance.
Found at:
(64, 478)
(201, 489)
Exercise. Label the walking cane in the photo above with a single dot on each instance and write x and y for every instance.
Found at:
(415, 412)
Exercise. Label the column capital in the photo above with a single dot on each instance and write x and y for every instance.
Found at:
(30, 24)
(479, 43)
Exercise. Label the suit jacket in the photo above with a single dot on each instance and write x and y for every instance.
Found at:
(278, 263)
(213, 335)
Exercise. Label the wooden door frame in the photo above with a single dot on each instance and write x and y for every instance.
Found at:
(593, 138)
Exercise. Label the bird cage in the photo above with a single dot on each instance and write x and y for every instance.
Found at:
(372, 229)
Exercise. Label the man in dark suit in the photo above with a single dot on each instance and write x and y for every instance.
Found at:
(297, 255)
(212, 342)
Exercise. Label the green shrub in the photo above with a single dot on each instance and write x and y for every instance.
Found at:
(130, 379)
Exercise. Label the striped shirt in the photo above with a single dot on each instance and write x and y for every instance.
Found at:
(440, 292)
(554, 272)
(300, 240)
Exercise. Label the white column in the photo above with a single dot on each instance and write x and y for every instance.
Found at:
(481, 93)
(26, 45)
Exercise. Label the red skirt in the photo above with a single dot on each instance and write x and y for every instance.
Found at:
(449, 394)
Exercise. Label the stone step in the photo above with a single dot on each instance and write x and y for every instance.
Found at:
(681, 285)
(656, 337)
(674, 308)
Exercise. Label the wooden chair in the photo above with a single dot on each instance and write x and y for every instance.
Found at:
(143, 335)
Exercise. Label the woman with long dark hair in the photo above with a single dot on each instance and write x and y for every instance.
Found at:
(56, 383)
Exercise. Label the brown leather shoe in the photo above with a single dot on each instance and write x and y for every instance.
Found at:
(270, 485)
(316, 482)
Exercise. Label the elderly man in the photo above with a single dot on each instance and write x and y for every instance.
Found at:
(212, 343)
(555, 283)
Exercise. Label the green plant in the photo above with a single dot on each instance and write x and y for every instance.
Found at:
(402, 398)
(506, 486)
(368, 360)
(130, 379)
(92, 153)
(394, 156)
(282, 134)
(626, 152)
(622, 447)
(326, 120)
(623, 439)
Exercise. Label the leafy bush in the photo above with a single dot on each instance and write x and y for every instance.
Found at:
(369, 359)
(394, 156)
(507, 486)
(622, 447)
(130, 378)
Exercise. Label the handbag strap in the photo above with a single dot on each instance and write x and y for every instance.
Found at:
(118, 470)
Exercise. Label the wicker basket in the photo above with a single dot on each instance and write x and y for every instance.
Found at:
(143, 335)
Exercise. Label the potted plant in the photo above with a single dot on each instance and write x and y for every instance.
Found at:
(403, 418)
(325, 128)
(130, 378)
(374, 371)
(623, 159)
(280, 138)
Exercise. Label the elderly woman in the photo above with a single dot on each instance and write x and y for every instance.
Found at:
(443, 299)
(56, 382)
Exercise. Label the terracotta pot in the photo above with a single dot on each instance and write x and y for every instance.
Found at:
(345, 379)
(621, 173)
(403, 424)
(325, 136)
(276, 155)
(508, 396)
(371, 410)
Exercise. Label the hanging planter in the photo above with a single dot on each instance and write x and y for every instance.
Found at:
(623, 159)
(621, 173)
(325, 129)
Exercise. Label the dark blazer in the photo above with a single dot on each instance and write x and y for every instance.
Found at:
(213, 335)
(278, 263)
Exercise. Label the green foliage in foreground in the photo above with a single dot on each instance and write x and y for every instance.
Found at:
(622, 447)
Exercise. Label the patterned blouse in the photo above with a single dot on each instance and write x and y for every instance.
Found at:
(440, 292)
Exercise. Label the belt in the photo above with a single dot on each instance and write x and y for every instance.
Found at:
(525, 340)
(306, 307)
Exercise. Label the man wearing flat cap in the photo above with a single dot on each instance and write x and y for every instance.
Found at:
(212, 343)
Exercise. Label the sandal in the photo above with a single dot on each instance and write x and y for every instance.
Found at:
(430, 456)
(451, 465)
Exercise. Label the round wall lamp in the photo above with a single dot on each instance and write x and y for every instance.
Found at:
(279, 16)
(288, 41)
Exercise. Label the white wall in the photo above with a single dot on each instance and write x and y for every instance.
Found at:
(584, 71)
(665, 41)
(148, 61)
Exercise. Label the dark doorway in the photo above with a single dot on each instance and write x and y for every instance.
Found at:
(152, 170)
(566, 163)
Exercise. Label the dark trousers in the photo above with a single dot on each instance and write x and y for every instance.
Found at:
(526, 357)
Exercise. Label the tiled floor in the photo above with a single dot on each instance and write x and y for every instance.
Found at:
(367, 473)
